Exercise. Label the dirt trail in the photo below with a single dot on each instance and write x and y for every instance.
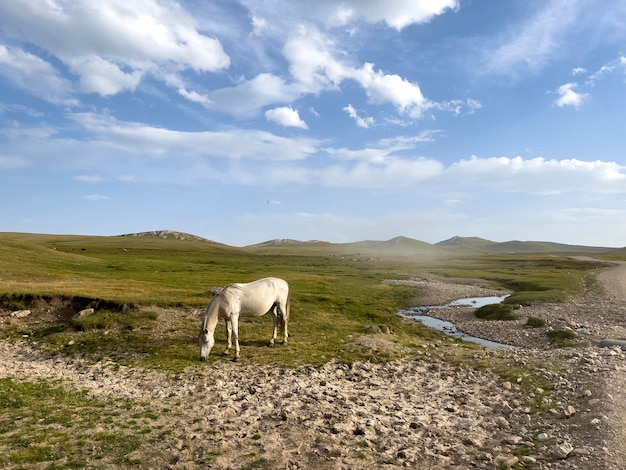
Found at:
(613, 281)
(421, 412)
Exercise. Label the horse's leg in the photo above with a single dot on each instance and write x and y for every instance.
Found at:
(234, 323)
(229, 331)
(284, 320)
(274, 311)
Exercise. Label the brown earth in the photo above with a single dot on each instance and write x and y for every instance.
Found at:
(423, 412)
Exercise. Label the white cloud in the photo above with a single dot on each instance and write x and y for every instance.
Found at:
(89, 179)
(539, 175)
(8, 162)
(285, 116)
(382, 88)
(103, 77)
(535, 41)
(569, 97)
(111, 45)
(393, 172)
(398, 14)
(139, 138)
(258, 26)
(312, 63)
(360, 121)
(195, 97)
(248, 97)
(35, 74)
(96, 197)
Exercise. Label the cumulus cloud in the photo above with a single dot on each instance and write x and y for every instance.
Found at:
(285, 116)
(104, 77)
(397, 15)
(384, 88)
(313, 65)
(311, 57)
(540, 175)
(569, 97)
(111, 49)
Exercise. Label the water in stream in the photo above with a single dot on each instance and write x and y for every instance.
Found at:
(419, 314)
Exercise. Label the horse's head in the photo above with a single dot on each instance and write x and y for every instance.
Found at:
(206, 342)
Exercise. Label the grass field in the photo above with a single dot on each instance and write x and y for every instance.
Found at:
(136, 282)
(147, 294)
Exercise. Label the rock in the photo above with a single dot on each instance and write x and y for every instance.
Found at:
(543, 437)
(569, 411)
(20, 313)
(611, 343)
(84, 313)
(506, 461)
(502, 422)
(562, 451)
(513, 440)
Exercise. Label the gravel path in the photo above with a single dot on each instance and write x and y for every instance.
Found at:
(420, 412)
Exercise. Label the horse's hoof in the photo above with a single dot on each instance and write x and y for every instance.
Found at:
(270, 345)
(236, 359)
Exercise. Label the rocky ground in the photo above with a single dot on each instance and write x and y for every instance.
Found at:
(421, 412)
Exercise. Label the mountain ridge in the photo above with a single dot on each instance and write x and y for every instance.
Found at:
(397, 245)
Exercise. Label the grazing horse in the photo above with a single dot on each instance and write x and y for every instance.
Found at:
(252, 299)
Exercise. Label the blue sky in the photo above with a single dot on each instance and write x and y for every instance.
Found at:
(244, 121)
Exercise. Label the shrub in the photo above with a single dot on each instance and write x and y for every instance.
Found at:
(496, 312)
(535, 322)
(562, 337)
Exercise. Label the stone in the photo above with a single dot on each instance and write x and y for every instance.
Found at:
(569, 411)
(502, 422)
(20, 313)
(506, 461)
(611, 343)
(542, 437)
(84, 313)
(562, 451)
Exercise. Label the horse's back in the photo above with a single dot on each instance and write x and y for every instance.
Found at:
(257, 297)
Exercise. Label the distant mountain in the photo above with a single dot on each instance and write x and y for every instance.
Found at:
(467, 242)
(167, 234)
(280, 241)
(516, 246)
(398, 246)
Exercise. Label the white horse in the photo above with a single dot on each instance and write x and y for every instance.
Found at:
(252, 299)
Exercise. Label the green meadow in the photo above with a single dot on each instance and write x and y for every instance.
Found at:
(148, 293)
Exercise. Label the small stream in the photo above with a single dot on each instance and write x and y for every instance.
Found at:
(420, 314)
